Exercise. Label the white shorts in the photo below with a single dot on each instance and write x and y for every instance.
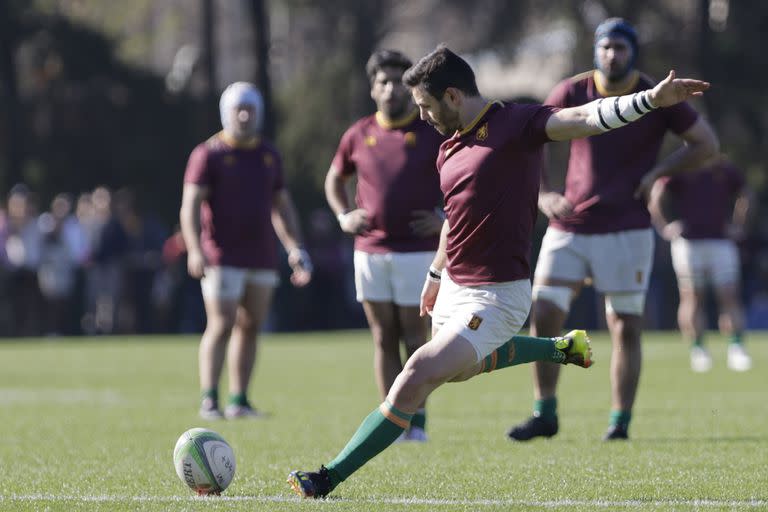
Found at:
(701, 262)
(229, 283)
(618, 262)
(488, 316)
(391, 277)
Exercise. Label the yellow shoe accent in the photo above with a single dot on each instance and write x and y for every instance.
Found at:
(580, 350)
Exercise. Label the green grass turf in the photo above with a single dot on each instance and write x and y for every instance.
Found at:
(90, 424)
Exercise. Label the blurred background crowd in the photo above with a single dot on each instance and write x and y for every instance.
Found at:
(101, 103)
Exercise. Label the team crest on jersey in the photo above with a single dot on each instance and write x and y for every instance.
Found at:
(370, 140)
(229, 160)
(268, 160)
(482, 132)
(474, 322)
(410, 139)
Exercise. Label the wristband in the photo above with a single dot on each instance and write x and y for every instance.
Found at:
(433, 274)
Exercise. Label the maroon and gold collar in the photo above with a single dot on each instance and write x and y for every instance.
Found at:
(391, 124)
(600, 85)
(230, 141)
(476, 121)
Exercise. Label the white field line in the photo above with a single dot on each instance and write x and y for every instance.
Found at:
(703, 503)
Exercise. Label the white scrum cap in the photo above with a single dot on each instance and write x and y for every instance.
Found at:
(241, 93)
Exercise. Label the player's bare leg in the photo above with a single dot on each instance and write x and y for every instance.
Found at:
(690, 318)
(220, 316)
(731, 323)
(243, 345)
(414, 333)
(447, 357)
(626, 361)
(385, 330)
(547, 320)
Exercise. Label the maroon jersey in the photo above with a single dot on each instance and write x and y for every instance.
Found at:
(704, 199)
(605, 170)
(489, 175)
(236, 218)
(396, 175)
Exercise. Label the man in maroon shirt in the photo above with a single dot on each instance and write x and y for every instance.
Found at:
(233, 204)
(489, 174)
(396, 222)
(703, 214)
(600, 228)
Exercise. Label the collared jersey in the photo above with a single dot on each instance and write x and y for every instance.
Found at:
(236, 220)
(605, 170)
(396, 175)
(704, 199)
(489, 175)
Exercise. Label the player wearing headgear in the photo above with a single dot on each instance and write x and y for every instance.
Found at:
(599, 227)
(234, 202)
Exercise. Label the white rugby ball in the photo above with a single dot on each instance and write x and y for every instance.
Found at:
(204, 461)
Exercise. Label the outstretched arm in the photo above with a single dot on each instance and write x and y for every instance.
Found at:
(609, 113)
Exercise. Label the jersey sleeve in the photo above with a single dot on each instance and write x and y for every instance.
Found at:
(535, 119)
(680, 117)
(736, 179)
(342, 160)
(559, 96)
(198, 171)
(279, 174)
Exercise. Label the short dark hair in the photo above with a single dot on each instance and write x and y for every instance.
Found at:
(383, 59)
(440, 70)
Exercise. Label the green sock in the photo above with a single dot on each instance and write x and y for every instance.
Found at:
(238, 399)
(698, 341)
(522, 349)
(735, 338)
(545, 408)
(620, 418)
(375, 433)
(420, 419)
(212, 393)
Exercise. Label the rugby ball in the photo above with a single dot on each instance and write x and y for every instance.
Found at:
(204, 461)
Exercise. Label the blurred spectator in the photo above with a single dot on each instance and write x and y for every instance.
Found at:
(22, 243)
(102, 274)
(142, 240)
(64, 249)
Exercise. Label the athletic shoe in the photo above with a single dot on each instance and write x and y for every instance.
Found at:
(209, 409)
(412, 434)
(738, 359)
(535, 426)
(235, 411)
(309, 484)
(616, 433)
(701, 361)
(576, 347)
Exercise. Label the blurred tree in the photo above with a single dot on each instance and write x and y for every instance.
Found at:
(11, 128)
(260, 17)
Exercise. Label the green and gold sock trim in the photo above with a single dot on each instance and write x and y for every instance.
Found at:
(399, 418)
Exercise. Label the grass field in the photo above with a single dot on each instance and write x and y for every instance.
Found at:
(90, 424)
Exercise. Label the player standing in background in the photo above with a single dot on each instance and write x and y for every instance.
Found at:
(703, 214)
(395, 223)
(234, 202)
(489, 174)
(600, 226)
